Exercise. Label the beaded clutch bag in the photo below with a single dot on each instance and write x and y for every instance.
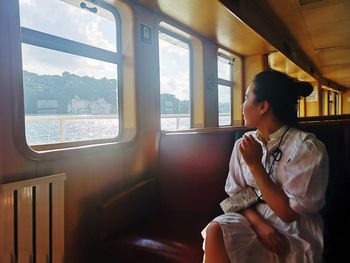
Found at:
(238, 201)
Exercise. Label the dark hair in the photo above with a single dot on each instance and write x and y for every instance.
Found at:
(282, 94)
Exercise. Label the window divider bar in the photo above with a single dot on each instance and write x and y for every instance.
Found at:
(36, 38)
(225, 82)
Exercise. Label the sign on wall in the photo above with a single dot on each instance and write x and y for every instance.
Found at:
(146, 33)
(313, 96)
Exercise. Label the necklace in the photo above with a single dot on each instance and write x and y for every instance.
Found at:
(277, 153)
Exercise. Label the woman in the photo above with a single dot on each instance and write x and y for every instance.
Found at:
(287, 167)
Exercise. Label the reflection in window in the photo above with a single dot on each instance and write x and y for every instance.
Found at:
(70, 71)
(174, 63)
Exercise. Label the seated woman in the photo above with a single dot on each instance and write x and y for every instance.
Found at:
(287, 167)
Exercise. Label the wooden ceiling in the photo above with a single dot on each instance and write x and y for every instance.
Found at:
(322, 30)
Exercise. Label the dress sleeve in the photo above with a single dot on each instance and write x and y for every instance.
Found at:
(235, 181)
(307, 176)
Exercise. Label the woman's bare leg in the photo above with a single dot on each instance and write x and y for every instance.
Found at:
(215, 251)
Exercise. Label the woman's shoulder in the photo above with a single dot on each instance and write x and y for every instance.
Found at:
(306, 141)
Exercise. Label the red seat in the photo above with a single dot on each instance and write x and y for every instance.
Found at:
(165, 238)
(190, 184)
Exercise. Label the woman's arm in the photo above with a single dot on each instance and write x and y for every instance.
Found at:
(269, 236)
(273, 194)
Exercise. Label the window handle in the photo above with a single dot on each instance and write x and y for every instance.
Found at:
(91, 9)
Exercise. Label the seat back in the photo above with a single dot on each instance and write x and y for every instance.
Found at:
(193, 170)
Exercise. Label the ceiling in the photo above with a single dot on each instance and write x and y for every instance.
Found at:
(322, 30)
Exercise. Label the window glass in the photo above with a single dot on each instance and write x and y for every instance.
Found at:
(68, 96)
(225, 85)
(51, 62)
(224, 68)
(224, 105)
(70, 102)
(174, 61)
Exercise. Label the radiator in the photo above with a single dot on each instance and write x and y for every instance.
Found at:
(32, 220)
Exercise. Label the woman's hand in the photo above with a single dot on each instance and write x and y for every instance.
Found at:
(251, 151)
(272, 239)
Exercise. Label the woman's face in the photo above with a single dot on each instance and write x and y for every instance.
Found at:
(251, 109)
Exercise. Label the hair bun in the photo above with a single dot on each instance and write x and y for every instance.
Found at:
(303, 88)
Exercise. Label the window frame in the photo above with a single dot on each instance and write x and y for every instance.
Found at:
(61, 44)
(191, 70)
(226, 83)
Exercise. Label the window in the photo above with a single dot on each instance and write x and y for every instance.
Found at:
(225, 84)
(175, 81)
(331, 103)
(71, 71)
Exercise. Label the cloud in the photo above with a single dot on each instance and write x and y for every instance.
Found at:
(177, 85)
(69, 22)
(174, 70)
(96, 68)
(74, 23)
(224, 94)
(35, 60)
(95, 36)
(25, 2)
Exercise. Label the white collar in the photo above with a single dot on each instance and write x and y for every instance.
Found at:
(273, 136)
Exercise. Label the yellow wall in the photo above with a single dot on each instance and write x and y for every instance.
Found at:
(301, 107)
(198, 85)
(324, 103)
(252, 66)
(237, 93)
(340, 104)
(312, 108)
(346, 102)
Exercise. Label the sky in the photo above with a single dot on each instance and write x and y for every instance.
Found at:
(61, 19)
(174, 64)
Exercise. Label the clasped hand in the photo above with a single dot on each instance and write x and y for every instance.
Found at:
(272, 239)
(251, 151)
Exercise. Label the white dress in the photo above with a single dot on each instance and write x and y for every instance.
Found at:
(303, 174)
